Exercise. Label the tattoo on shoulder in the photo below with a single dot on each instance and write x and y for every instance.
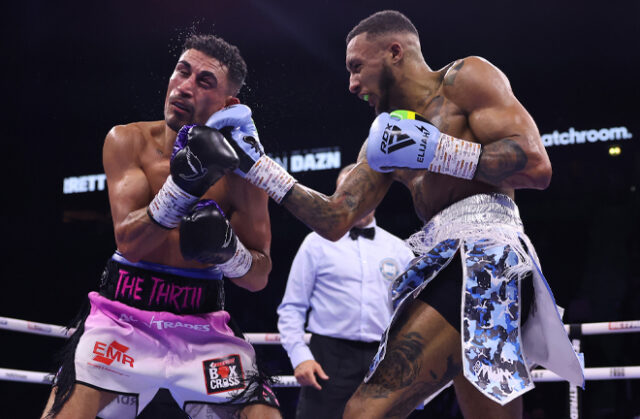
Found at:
(450, 77)
(500, 160)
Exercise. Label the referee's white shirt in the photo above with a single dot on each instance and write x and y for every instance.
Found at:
(345, 284)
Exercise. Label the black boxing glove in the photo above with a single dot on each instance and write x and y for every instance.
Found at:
(201, 155)
(207, 236)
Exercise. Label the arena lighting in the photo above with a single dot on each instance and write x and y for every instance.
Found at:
(615, 151)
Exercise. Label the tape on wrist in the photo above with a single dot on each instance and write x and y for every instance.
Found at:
(170, 204)
(239, 264)
(271, 177)
(455, 157)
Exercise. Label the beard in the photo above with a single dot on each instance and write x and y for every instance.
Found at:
(174, 121)
(385, 84)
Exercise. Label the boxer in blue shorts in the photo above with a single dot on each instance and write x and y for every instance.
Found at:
(183, 221)
(461, 142)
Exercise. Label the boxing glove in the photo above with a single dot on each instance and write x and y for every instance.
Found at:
(404, 139)
(201, 155)
(236, 124)
(207, 236)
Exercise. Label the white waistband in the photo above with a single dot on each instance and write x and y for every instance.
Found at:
(483, 216)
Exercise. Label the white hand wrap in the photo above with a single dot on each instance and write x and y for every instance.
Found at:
(268, 175)
(239, 264)
(170, 204)
(456, 157)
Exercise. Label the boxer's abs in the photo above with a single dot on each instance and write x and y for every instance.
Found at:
(433, 192)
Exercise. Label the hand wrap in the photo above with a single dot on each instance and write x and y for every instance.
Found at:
(201, 156)
(255, 166)
(404, 139)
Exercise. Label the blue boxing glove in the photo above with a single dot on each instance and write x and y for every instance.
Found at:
(255, 166)
(237, 126)
(405, 140)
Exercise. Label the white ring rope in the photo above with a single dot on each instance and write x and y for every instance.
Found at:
(17, 325)
(538, 375)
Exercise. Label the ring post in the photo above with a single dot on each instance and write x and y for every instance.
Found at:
(575, 392)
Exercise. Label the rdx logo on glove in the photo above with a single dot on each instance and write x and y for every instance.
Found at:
(394, 139)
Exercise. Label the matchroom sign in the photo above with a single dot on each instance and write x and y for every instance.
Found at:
(573, 136)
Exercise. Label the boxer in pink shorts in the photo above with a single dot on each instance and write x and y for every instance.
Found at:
(182, 221)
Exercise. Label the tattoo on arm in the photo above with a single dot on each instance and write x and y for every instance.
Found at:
(500, 160)
(323, 213)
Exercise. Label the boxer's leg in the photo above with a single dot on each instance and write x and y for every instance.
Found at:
(423, 355)
(474, 404)
(259, 411)
(85, 402)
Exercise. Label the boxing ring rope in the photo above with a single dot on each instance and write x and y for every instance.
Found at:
(575, 331)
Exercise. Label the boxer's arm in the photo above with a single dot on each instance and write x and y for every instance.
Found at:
(332, 216)
(513, 155)
(129, 194)
(329, 216)
(251, 223)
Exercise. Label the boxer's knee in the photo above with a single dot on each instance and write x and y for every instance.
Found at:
(354, 406)
(474, 404)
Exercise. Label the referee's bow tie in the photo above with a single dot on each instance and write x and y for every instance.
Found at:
(367, 233)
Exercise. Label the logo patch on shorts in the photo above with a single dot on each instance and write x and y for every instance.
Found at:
(114, 352)
(223, 374)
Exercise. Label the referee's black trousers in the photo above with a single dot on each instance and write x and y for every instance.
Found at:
(346, 362)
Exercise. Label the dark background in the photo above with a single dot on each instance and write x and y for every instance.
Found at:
(72, 70)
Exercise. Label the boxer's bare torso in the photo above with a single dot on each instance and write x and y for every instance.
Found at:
(137, 156)
(432, 192)
(469, 99)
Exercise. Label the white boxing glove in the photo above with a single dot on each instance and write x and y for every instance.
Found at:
(404, 139)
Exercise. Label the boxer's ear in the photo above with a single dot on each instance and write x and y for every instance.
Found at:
(397, 51)
(231, 100)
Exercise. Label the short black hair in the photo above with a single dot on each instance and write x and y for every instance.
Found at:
(383, 22)
(221, 50)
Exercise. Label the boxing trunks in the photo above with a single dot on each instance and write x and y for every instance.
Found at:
(153, 326)
(497, 350)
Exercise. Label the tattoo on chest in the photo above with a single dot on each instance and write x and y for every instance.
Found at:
(159, 152)
(435, 113)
